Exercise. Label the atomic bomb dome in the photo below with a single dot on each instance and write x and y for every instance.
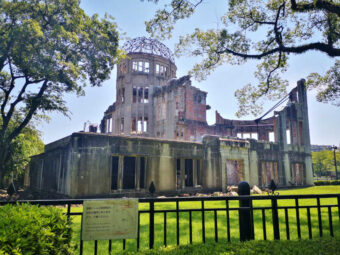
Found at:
(149, 46)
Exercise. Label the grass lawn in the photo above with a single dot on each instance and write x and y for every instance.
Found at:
(324, 246)
(221, 222)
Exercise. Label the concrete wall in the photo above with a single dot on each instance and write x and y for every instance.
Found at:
(81, 164)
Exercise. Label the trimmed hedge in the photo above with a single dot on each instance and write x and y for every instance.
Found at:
(29, 229)
(324, 246)
(322, 183)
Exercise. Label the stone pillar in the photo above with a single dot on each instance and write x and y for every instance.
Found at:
(305, 130)
(120, 172)
(182, 164)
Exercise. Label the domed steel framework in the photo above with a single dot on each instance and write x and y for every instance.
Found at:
(150, 46)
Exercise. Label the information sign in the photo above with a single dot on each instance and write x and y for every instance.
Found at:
(110, 219)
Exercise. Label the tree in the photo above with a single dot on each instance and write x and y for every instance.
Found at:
(286, 27)
(25, 145)
(323, 162)
(48, 48)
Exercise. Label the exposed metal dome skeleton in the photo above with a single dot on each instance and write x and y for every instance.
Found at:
(150, 46)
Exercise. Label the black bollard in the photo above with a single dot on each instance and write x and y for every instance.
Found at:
(245, 215)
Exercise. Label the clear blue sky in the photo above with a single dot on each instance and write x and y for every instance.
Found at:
(130, 16)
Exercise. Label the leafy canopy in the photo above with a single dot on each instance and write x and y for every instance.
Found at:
(25, 145)
(268, 31)
(48, 48)
(323, 161)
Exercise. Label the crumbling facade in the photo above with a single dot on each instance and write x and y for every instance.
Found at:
(157, 131)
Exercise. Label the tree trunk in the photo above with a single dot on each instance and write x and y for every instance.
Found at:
(4, 150)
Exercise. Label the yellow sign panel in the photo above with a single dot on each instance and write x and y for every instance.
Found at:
(110, 219)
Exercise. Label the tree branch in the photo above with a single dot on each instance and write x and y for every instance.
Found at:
(7, 92)
(323, 47)
(328, 6)
(32, 110)
(272, 71)
(278, 34)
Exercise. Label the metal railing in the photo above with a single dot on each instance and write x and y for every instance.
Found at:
(222, 206)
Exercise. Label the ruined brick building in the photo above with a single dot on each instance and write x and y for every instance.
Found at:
(157, 131)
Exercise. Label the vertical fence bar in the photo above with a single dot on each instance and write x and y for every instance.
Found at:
(287, 224)
(190, 226)
(95, 247)
(330, 221)
(152, 225)
(81, 235)
(264, 224)
(252, 226)
(124, 244)
(68, 212)
(319, 216)
(110, 246)
(216, 229)
(309, 223)
(228, 218)
(276, 228)
(138, 231)
(164, 230)
(177, 221)
(81, 247)
(339, 207)
(298, 218)
(203, 222)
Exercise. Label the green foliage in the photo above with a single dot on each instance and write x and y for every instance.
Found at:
(27, 229)
(323, 161)
(268, 31)
(25, 145)
(48, 48)
(323, 246)
(322, 183)
(328, 86)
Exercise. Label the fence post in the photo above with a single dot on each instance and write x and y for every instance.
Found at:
(275, 215)
(245, 219)
(152, 224)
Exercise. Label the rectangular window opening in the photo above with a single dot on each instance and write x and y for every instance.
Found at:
(234, 170)
(271, 137)
(140, 95)
(246, 135)
(188, 172)
(134, 66)
(133, 125)
(114, 173)
(254, 136)
(140, 66)
(145, 124)
(123, 95)
(122, 125)
(142, 173)
(288, 136)
(129, 173)
(109, 125)
(146, 95)
(146, 67)
(134, 94)
(139, 125)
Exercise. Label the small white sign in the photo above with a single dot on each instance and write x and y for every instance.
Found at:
(110, 219)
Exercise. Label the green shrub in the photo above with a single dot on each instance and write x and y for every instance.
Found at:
(321, 183)
(28, 229)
